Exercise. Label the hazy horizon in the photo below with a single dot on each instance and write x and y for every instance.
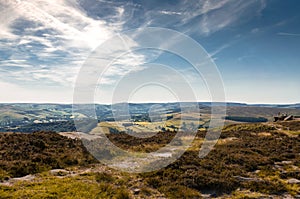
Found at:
(153, 102)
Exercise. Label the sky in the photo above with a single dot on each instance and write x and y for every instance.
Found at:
(254, 44)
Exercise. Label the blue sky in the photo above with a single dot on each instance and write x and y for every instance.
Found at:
(255, 45)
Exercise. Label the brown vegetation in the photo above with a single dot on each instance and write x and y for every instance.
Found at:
(23, 154)
(252, 158)
(150, 144)
(222, 170)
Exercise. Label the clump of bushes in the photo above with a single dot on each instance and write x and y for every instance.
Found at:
(250, 128)
(291, 125)
(246, 119)
(128, 142)
(217, 171)
(104, 177)
(22, 154)
(3, 175)
(61, 126)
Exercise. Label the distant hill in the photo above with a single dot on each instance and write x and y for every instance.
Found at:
(29, 117)
(230, 104)
(296, 106)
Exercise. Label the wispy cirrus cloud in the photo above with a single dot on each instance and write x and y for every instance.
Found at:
(288, 34)
(46, 42)
(62, 32)
(50, 37)
(201, 17)
(221, 14)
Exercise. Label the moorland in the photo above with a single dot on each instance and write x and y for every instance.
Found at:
(252, 159)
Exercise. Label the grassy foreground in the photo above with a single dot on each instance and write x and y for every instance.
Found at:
(249, 161)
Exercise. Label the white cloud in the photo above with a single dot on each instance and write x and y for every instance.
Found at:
(66, 19)
(219, 49)
(56, 32)
(46, 42)
(288, 34)
(202, 17)
(255, 30)
(69, 29)
(221, 14)
(170, 12)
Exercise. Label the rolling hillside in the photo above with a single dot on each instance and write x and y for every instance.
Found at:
(249, 161)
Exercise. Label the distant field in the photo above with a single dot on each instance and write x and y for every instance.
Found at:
(140, 127)
(265, 112)
(59, 117)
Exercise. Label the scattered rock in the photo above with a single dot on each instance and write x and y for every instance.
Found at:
(206, 195)
(163, 155)
(136, 191)
(257, 171)
(286, 162)
(240, 178)
(59, 172)
(24, 178)
(293, 181)
(264, 134)
(11, 181)
(287, 196)
(80, 135)
(295, 168)
(283, 163)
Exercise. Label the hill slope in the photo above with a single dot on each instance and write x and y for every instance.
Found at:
(249, 161)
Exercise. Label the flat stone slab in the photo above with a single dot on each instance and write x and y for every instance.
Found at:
(293, 181)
